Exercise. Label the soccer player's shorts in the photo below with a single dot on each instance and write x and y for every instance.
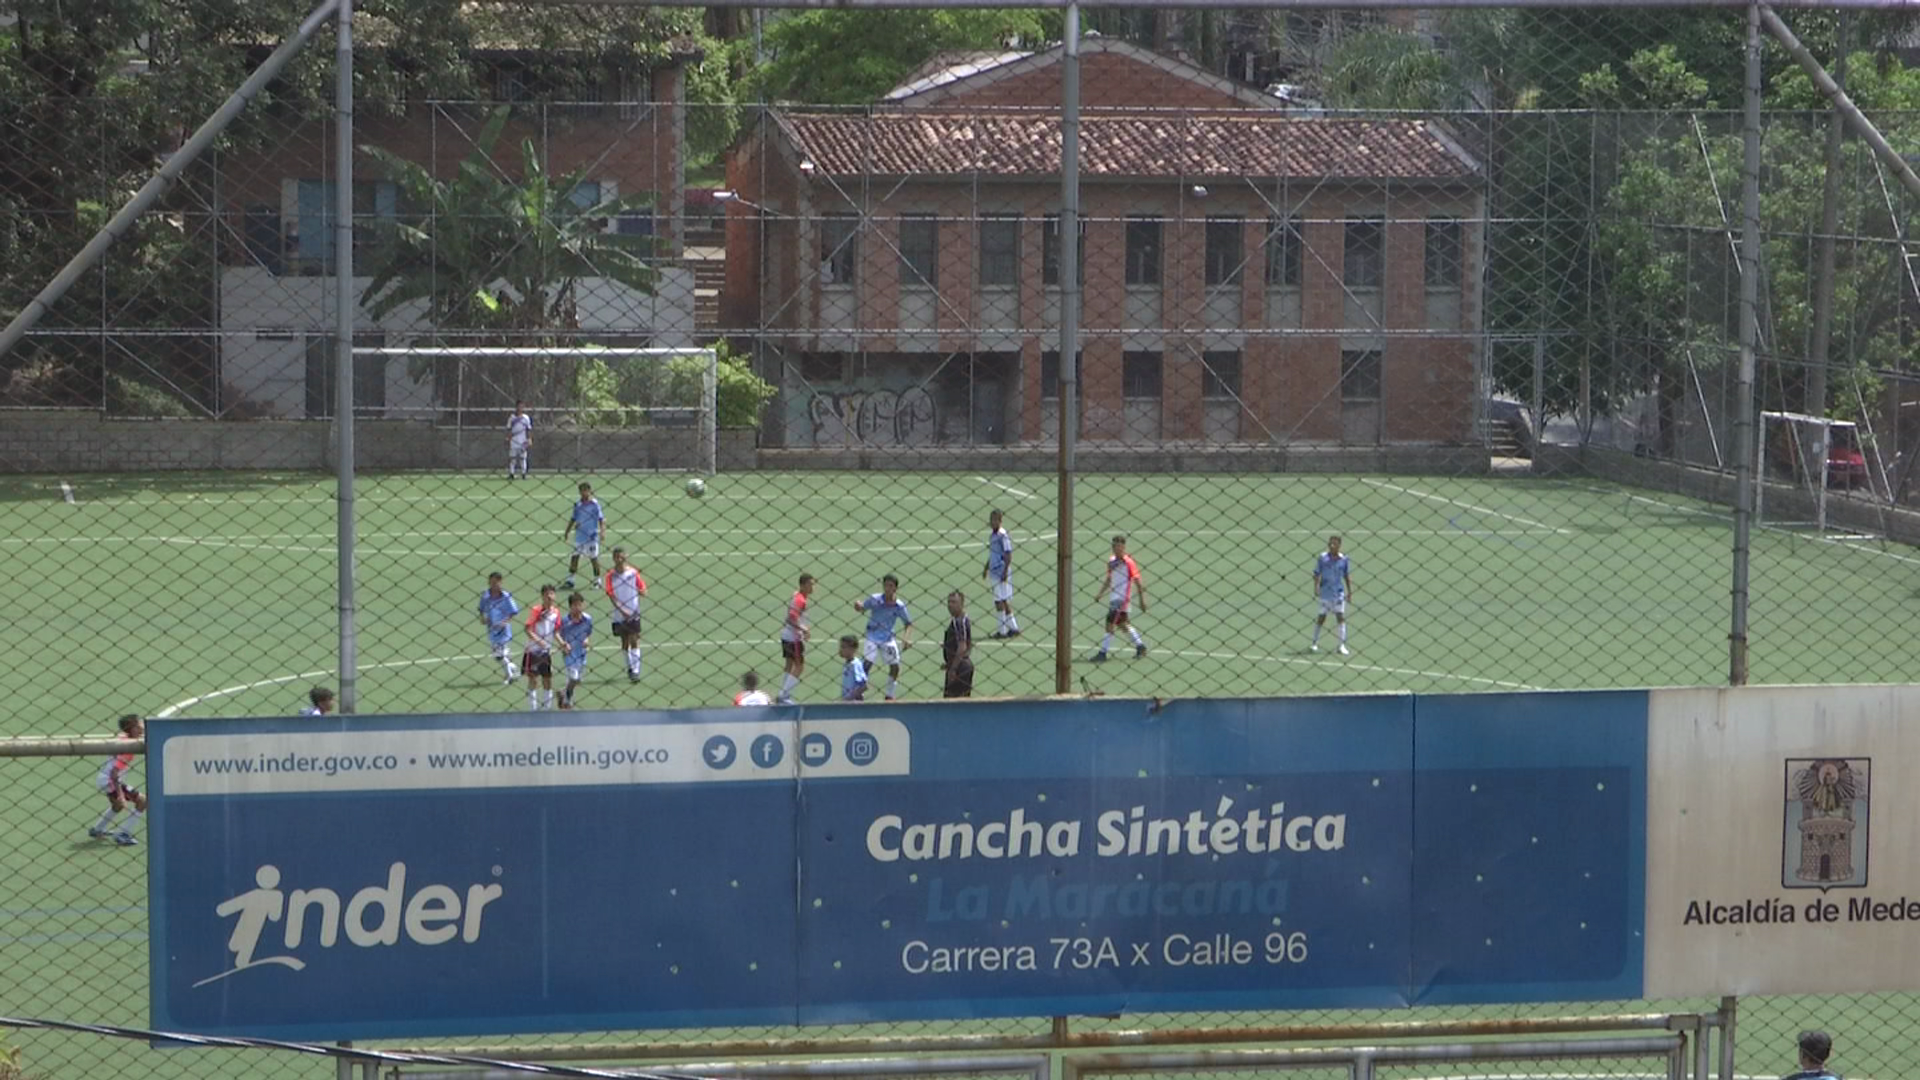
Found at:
(885, 652)
(1117, 610)
(577, 672)
(793, 650)
(587, 549)
(114, 789)
(1335, 605)
(1003, 591)
(629, 626)
(960, 680)
(536, 663)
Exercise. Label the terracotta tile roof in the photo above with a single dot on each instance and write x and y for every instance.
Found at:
(1134, 145)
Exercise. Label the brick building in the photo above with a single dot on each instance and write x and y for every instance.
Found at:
(627, 125)
(1250, 274)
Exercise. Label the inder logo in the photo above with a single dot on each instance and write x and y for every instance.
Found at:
(374, 916)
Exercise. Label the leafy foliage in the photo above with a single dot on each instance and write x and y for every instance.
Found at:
(501, 259)
(842, 57)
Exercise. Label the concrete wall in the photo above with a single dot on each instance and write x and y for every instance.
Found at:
(266, 319)
(67, 442)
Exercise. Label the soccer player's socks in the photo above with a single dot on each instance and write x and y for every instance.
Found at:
(1316, 633)
(787, 683)
(106, 819)
(893, 687)
(633, 660)
(1106, 641)
(1013, 625)
(1135, 635)
(1343, 633)
(546, 699)
(133, 820)
(533, 699)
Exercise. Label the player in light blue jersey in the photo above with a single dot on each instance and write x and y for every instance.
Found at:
(576, 631)
(884, 609)
(1332, 588)
(497, 610)
(999, 571)
(853, 673)
(588, 521)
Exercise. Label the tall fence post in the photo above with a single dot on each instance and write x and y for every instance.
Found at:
(343, 343)
(1743, 435)
(1069, 345)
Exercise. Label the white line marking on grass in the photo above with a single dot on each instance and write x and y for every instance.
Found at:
(66, 492)
(1700, 512)
(1202, 654)
(1463, 505)
(1015, 492)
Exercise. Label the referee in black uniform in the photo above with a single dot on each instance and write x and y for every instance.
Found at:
(957, 649)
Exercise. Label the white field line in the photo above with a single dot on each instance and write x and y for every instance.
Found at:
(1699, 512)
(1201, 654)
(1430, 497)
(1015, 492)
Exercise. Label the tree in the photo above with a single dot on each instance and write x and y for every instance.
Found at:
(842, 57)
(501, 260)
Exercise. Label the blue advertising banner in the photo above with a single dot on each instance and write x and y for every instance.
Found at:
(412, 876)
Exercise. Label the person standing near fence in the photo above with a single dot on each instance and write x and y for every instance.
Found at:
(112, 783)
(793, 640)
(497, 610)
(584, 527)
(319, 702)
(999, 573)
(519, 440)
(1122, 587)
(956, 650)
(1815, 1048)
(625, 587)
(1332, 587)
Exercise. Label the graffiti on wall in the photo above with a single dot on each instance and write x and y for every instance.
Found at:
(874, 417)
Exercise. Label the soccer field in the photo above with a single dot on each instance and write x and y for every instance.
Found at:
(213, 595)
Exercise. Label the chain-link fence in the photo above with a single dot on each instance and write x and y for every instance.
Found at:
(1462, 288)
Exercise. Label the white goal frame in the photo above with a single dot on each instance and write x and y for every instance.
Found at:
(709, 418)
(1818, 481)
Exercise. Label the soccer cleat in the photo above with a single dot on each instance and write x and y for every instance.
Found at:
(633, 676)
(124, 838)
(1139, 651)
(1315, 647)
(1099, 657)
(998, 635)
(1013, 633)
(889, 697)
(569, 581)
(98, 833)
(1344, 652)
(783, 699)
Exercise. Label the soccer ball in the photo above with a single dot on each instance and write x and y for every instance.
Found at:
(696, 487)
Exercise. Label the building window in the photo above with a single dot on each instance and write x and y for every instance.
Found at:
(1050, 250)
(1224, 250)
(1220, 374)
(1143, 251)
(919, 251)
(839, 248)
(1360, 375)
(1000, 249)
(1140, 375)
(1049, 376)
(1443, 256)
(635, 223)
(1285, 251)
(1366, 253)
(375, 204)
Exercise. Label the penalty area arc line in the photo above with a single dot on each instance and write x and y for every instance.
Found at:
(1013, 491)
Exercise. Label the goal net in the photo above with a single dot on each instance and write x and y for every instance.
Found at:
(1802, 458)
(593, 406)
